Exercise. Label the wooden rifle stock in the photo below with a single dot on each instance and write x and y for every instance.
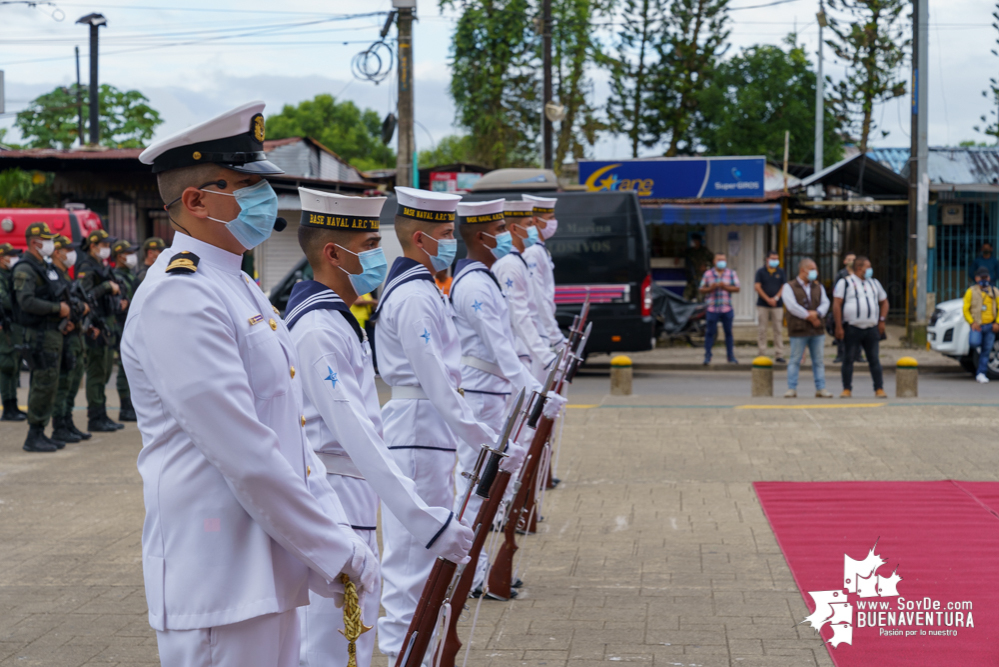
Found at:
(421, 628)
(501, 572)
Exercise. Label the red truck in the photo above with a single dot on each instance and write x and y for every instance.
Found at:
(74, 221)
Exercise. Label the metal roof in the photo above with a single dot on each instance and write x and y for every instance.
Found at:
(971, 165)
(863, 175)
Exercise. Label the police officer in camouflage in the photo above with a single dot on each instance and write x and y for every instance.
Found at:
(40, 311)
(103, 293)
(152, 247)
(125, 262)
(72, 366)
(10, 337)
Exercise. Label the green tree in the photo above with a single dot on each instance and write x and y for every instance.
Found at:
(354, 134)
(25, 189)
(872, 45)
(51, 120)
(992, 94)
(449, 150)
(495, 80)
(756, 96)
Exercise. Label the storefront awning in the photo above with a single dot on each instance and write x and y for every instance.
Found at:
(713, 214)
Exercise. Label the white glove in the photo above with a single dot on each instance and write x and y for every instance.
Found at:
(362, 568)
(554, 405)
(453, 544)
(515, 455)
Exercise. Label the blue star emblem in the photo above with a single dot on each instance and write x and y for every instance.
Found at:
(331, 377)
(509, 282)
(476, 306)
(425, 336)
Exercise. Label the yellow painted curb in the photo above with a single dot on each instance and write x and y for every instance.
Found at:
(816, 406)
(582, 406)
(621, 360)
(907, 362)
(763, 362)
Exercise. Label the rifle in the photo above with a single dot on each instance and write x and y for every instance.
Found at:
(440, 587)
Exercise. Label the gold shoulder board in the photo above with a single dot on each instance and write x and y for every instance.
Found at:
(184, 262)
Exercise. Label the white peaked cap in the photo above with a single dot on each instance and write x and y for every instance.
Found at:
(317, 201)
(427, 200)
(541, 202)
(467, 208)
(512, 205)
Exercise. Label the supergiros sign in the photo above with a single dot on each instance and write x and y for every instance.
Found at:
(677, 178)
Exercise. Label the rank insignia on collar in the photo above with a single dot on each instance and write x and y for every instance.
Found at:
(184, 262)
(256, 319)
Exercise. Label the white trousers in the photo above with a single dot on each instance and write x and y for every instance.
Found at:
(322, 643)
(265, 641)
(406, 563)
(490, 410)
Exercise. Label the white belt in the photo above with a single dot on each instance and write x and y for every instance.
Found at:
(408, 393)
(339, 464)
(483, 365)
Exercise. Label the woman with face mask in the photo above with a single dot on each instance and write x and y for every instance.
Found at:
(125, 260)
(98, 281)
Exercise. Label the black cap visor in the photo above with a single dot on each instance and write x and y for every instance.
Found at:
(261, 167)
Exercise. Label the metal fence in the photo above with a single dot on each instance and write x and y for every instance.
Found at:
(959, 239)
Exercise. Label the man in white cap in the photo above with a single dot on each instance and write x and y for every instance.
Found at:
(339, 236)
(514, 277)
(490, 371)
(539, 261)
(240, 520)
(419, 357)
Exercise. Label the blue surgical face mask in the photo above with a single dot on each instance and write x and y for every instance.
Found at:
(446, 250)
(374, 268)
(258, 207)
(812, 275)
(774, 263)
(721, 265)
(869, 273)
(532, 237)
(504, 244)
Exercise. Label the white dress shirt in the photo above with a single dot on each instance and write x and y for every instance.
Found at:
(515, 281)
(792, 305)
(543, 274)
(861, 301)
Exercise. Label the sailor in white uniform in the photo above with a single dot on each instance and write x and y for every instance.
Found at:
(419, 357)
(240, 520)
(490, 371)
(539, 261)
(515, 280)
(339, 236)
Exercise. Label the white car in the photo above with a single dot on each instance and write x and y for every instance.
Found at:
(948, 332)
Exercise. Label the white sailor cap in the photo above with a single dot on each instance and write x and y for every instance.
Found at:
(425, 205)
(518, 209)
(541, 204)
(327, 210)
(472, 212)
(234, 140)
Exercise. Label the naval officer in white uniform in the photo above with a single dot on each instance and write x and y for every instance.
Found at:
(539, 261)
(419, 357)
(240, 520)
(515, 280)
(339, 236)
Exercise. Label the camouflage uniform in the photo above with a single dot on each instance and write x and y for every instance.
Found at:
(126, 280)
(10, 339)
(72, 367)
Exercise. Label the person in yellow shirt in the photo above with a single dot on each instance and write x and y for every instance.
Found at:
(981, 307)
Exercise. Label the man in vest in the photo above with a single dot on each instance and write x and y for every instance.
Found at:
(806, 304)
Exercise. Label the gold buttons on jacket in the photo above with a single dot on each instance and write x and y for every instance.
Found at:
(303, 420)
(273, 324)
(293, 372)
(308, 470)
(276, 311)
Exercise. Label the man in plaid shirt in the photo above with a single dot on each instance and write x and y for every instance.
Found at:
(717, 286)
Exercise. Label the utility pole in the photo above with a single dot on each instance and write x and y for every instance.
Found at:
(921, 18)
(95, 21)
(546, 47)
(79, 98)
(404, 172)
(820, 96)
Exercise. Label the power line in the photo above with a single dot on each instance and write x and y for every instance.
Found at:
(769, 4)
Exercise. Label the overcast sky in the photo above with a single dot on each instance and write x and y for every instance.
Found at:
(198, 59)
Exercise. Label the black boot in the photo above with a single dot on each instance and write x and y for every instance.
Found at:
(37, 442)
(61, 432)
(98, 422)
(83, 435)
(110, 422)
(126, 413)
(59, 444)
(11, 413)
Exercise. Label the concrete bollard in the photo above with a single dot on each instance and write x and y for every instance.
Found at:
(907, 378)
(620, 376)
(763, 376)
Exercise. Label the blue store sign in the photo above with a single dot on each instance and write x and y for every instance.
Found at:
(678, 178)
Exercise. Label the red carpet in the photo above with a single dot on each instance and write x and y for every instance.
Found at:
(943, 538)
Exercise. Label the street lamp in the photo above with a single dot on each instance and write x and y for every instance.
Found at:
(95, 21)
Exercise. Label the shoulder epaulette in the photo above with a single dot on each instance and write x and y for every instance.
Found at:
(183, 262)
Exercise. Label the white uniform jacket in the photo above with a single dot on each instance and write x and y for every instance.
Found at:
(515, 280)
(343, 416)
(482, 319)
(417, 346)
(238, 509)
(542, 269)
